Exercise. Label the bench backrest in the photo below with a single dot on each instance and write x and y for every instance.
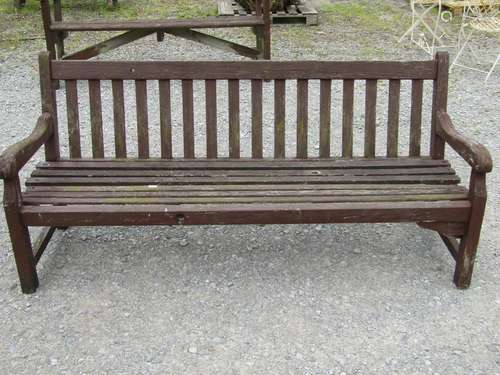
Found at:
(175, 105)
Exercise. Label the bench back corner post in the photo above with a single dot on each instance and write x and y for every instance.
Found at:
(267, 29)
(50, 38)
(439, 102)
(49, 105)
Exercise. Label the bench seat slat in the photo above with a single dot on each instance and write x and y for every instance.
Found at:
(242, 199)
(261, 213)
(239, 172)
(223, 163)
(410, 179)
(235, 188)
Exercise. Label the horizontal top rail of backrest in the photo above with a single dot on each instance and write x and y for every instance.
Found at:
(265, 70)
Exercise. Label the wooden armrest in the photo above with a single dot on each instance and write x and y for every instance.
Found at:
(17, 155)
(474, 153)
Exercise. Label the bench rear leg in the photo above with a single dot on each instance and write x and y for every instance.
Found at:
(468, 245)
(20, 238)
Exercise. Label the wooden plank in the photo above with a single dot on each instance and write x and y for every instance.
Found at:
(439, 103)
(370, 117)
(141, 100)
(241, 172)
(266, 30)
(456, 192)
(347, 118)
(188, 118)
(254, 190)
(49, 104)
(96, 119)
(325, 110)
(451, 244)
(75, 150)
(158, 24)
(246, 163)
(279, 118)
(214, 42)
(265, 70)
(237, 200)
(50, 36)
(302, 106)
(466, 254)
(165, 119)
(42, 242)
(119, 119)
(393, 118)
(108, 45)
(416, 116)
(357, 212)
(256, 119)
(234, 118)
(346, 179)
(19, 236)
(211, 117)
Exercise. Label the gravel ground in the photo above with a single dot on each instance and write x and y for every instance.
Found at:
(321, 299)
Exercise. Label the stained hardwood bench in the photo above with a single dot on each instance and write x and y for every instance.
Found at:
(124, 181)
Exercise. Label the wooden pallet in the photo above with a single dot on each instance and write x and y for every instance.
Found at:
(457, 6)
(303, 13)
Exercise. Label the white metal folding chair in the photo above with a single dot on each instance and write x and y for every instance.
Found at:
(426, 30)
(478, 16)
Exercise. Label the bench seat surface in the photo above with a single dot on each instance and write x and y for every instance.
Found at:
(228, 191)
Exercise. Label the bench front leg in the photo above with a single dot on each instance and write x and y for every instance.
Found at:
(19, 236)
(468, 245)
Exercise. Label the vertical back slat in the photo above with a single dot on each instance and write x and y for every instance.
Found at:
(188, 118)
(302, 106)
(325, 104)
(119, 119)
(279, 118)
(141, 98)
(370, 117)
(211, 117)
(165, 119)
(347, 117)
(416, 116)
(96, 119)
(256, 119)
(75, 150)
(393, 118)
(234, 118)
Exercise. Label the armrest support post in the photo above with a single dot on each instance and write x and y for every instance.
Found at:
(475, 154)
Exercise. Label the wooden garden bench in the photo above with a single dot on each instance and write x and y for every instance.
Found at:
(114, 185)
